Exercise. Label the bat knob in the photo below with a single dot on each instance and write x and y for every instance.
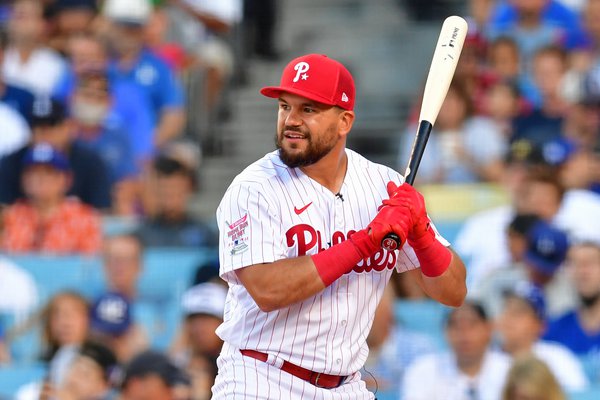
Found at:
(391, 242)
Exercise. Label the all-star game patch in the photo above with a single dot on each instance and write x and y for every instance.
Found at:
(237, 235)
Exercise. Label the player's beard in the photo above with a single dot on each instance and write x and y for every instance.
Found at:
(315, 149)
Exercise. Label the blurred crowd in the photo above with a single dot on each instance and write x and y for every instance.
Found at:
(107, 106)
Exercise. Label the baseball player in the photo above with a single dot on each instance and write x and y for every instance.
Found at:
(300, 246)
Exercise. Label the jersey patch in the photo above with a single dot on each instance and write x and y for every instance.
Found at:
(237, 235)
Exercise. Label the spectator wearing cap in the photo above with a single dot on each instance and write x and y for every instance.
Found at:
(469, 370)
(199, 346)
(91, 375)
(111, 323)
(68, 18)
(15, 97)
(46, 220)
(27, 62)
(171, 224)
(139, 66)
(520, 326)
(541, 256)
(50, 124)
(152, 376)
(579, 328)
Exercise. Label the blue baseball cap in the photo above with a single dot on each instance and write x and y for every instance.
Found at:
(546, 248)
(532, 295)
(558, 151)
(45, 154)
(111, 314)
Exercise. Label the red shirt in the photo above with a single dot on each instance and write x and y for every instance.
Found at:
(73, 228)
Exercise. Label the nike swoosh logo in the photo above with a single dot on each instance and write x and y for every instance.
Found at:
(299, 211)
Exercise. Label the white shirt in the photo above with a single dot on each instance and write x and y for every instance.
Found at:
(437, 377)
(14, 131)
(271, 212)
(482, 241)
(39, 74)
(18, 292)
(563, 363)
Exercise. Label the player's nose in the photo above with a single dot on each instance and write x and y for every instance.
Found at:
(292, 118)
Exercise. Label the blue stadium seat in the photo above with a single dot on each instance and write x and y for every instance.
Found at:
(15, 376)
(425, 316)
(593, 393)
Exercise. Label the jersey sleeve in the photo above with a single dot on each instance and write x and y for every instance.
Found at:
(250, 229)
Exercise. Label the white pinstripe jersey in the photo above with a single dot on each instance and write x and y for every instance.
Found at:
(271, 212)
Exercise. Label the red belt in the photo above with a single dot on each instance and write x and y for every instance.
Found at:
(316, 378)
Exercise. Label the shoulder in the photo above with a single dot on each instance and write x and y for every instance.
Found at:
(75, 207)
(553, 352)
(263, 170)
(49, 56)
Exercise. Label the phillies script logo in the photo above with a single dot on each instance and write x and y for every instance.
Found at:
(308, 238)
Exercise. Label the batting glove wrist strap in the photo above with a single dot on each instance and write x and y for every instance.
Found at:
(341, 258)
(433, 256)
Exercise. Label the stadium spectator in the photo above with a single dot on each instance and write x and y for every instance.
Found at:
(155, 37)
(538, 260)
(503, 59)
(530, 378)
(46, 220)
(579, 329)
(136, 64)
(392, 347)
(112, 324)
(502, 103)
(90, 376)
(123, 264)
(152, 376)
(171, 225)
(68, 18)
(545, 121)
(462, 148)
(19, 291)
(129, 106)
(90, 108)
(470, 370)
(50, 124)
(199, 346)
(65, 327)
(201, 27)
(18, 98)
(27, 62)
(4, 350)
(575, 164)
(520, 326)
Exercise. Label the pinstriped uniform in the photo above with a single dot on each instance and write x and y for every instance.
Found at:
(271, 212)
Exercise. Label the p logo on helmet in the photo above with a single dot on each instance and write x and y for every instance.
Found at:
(301, 68)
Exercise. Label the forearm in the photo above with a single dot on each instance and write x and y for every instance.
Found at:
(449, 288)
(170, 126)
(281, 283)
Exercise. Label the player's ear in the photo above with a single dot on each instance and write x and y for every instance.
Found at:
(346, 119)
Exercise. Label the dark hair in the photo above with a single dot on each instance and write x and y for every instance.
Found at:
(3, 39)
(167, 166)
(474, 305)
(102, 355)
(522, 223)
(552, 50)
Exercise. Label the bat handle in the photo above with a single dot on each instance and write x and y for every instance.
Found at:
(391, 242)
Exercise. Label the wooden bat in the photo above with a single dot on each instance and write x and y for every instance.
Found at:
(445, 57)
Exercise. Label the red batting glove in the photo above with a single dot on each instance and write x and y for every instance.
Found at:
(390, 219)
(433, 256)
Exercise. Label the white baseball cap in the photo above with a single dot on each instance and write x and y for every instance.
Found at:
(205, 298)
(135, 12)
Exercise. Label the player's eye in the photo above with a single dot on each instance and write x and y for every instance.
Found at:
(283, 106)
(309, 110)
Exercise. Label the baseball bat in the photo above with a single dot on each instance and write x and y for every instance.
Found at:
(445, 57)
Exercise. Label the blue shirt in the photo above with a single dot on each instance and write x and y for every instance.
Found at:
(568, 331)
(19, 99)
(113, 146)
(130, 104)
(156, 79)
(537, 127)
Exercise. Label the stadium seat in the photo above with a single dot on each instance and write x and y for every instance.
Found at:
(424, 316)
(15, 376)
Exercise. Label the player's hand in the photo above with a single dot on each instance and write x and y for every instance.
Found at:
(407, 196)
(391, 218)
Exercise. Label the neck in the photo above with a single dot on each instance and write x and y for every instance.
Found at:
(331, 169)
(25, 50)
(47, 207)
(470, 366)
(518, 349)
(589, 316)
(529, 20)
